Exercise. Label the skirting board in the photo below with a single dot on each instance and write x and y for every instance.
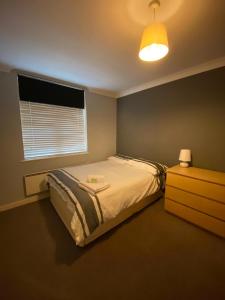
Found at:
(25, 201)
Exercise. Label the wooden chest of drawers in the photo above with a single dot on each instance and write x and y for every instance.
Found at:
(197, 195)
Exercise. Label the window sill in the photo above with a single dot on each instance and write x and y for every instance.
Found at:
(55, 156)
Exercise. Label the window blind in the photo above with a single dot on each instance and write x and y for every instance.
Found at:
(52, 130)
(40, 91)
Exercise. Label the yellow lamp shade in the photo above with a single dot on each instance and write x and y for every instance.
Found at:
(154, 43)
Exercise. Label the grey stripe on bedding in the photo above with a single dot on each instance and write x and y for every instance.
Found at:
(68, 194)
(84, 199)
(100, 209)
(160, 168)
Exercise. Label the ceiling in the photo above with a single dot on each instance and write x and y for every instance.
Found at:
(96, 43)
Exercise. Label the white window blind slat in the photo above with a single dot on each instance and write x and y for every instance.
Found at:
(50, 130)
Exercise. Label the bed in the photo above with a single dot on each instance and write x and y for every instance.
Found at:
(129, 186)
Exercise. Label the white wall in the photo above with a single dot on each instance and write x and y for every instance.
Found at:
(101, 119)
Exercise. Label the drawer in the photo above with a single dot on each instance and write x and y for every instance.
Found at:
(210, 207)
(193, 216)
(202, 188)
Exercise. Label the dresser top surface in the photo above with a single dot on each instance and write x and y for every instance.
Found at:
(197, 173)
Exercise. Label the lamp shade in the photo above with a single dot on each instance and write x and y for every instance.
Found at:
(185, 155)
(154, 42)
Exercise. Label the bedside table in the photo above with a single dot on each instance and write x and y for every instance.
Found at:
(198, 196)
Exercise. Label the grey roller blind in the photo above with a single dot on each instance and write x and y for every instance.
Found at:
(40, 91)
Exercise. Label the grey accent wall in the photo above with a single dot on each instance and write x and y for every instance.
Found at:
(101, 125)
(187, 113)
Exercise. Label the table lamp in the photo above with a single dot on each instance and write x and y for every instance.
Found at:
(185, 157)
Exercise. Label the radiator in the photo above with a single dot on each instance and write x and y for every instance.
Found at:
(35, 183)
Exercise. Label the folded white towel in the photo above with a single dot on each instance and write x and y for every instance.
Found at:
(93, 188)
(95, 179)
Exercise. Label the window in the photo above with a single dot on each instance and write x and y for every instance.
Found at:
(50, 129)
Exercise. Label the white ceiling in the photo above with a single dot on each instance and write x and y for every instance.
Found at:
(95, 43)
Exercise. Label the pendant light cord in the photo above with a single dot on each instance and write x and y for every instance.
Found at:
(154, 4)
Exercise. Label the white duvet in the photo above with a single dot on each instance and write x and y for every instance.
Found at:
(128, 185)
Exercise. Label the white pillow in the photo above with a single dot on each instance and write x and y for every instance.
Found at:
(143, 166)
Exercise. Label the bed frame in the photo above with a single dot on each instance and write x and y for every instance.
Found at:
(66, 215)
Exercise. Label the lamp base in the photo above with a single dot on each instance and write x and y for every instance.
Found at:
(184, 164)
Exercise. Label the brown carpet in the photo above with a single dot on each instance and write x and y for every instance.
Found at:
(153, 255)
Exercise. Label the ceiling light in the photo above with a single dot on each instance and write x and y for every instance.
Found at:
(154, 42)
